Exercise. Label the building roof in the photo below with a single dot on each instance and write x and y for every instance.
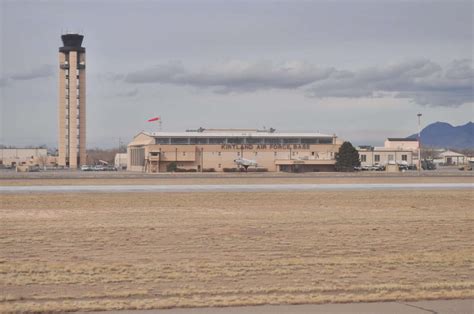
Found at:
(400, 139)
(383, 149)
(450, 153)
(235, 134)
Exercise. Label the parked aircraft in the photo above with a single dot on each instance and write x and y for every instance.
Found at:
(245, 163)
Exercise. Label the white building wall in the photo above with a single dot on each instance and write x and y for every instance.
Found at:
(383, 157)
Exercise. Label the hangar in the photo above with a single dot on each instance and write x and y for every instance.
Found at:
(214, 150)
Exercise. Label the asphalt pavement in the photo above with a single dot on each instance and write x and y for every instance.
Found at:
(232, 187)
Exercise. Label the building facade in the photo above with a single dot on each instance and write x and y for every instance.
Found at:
(12, 157)
(395, 151)
(373, 156)
(402, 144)
(72, 102)
(214, 150)
(450, 158)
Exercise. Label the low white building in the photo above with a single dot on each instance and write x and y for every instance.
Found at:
(12, 157)
(449, 157)
(371, 156)
(401, 151)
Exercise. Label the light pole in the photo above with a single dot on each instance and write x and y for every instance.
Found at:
(419, 142)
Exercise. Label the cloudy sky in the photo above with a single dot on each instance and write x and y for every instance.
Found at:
(360, 69)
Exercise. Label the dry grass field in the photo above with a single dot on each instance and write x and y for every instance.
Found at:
(65, 252)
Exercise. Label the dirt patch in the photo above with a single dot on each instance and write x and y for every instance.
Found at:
(62, 252)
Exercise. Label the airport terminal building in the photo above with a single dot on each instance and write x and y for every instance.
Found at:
(214, 150)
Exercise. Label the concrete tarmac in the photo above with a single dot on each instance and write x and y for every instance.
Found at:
(232, 187)
(465, 306)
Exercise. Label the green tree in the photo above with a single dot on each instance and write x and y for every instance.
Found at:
(347, 158)
(172, 166)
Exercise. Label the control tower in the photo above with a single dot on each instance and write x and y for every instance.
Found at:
(72, 102)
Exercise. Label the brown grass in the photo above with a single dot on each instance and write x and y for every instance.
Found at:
(64, 252)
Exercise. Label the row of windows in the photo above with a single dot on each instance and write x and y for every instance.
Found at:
(238, 154)
(391, 157)
(67, 137)
(241, 140)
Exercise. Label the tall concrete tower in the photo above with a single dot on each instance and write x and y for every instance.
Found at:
(72, 102)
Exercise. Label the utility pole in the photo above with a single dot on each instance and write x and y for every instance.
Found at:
(118, 152)
(419, 143)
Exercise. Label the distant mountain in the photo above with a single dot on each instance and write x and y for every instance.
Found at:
(444, 135)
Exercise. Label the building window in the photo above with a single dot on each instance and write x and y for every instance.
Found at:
(310, 140)
(404, 157)
(138, 156)
(179, 140)
(254, 140)
(217, 140)
(219, 165)
(161, 140)
(235, 140)
(363, 158)
(377, 158)
(390, 157)
(291, 140)
(272, 141)
(199, 140)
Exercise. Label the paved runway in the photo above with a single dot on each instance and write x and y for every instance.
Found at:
(232, 187)
(439, 306)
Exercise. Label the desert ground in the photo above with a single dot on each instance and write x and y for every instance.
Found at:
(106, 251)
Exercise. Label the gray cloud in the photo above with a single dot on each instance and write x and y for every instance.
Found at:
(44, 70)
(3, 81)
(421, 80)
(131, 93)
(234, 75)
(109, 76)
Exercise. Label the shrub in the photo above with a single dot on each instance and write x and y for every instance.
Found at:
(257, 169)
(172, 166)
(230, 169)
(185, 170)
